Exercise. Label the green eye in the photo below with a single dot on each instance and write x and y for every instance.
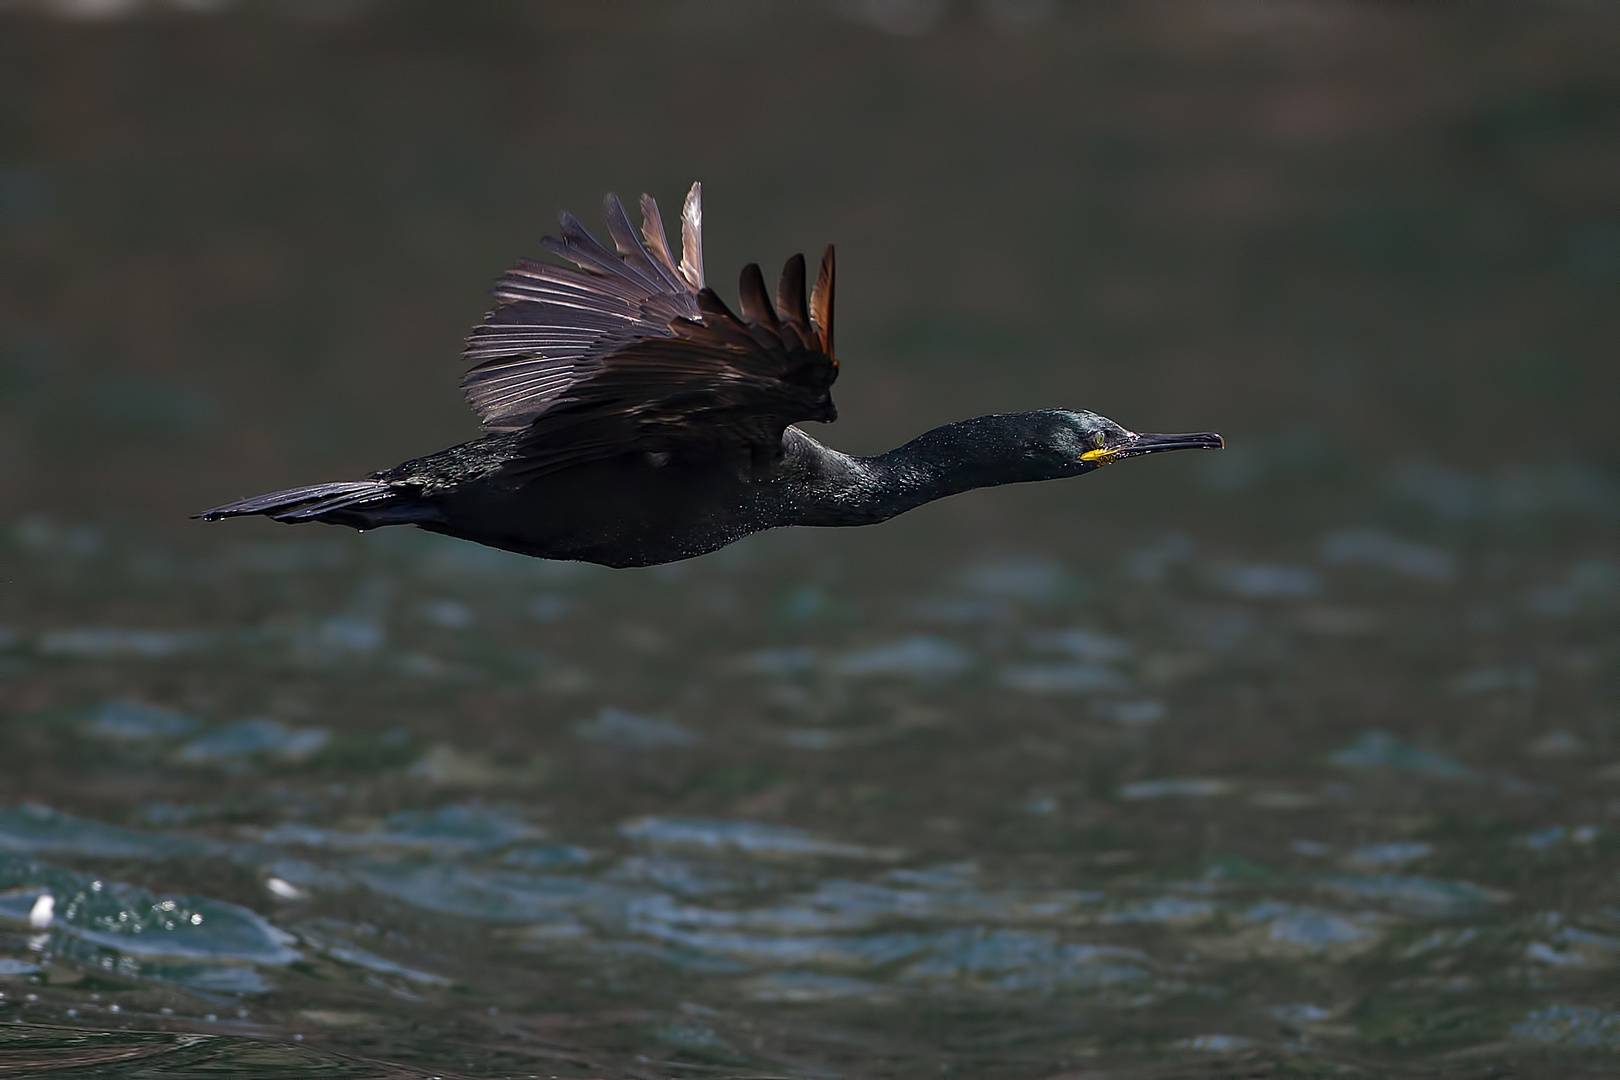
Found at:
(1098, 438)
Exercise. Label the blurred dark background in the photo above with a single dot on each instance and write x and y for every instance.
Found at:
(240, 244)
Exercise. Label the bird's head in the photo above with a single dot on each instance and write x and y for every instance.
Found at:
(1084, 441)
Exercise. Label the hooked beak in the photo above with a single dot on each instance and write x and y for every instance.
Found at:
(1137, 445)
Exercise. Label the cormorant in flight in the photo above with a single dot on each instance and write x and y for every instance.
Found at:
(632, 418)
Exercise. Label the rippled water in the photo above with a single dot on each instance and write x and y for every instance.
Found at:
(1014, 816)
(1296, 759)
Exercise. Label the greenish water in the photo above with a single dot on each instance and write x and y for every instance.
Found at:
(1301, 758)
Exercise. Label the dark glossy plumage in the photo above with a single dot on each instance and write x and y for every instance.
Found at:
(634, 419)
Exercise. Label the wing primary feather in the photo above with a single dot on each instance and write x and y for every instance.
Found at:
(588, 285)
(790, 297)
(756, 304)
(576, 236)
(605, 275)
(652, 230)
(715, 313)
(624, 238)
(583, 248)
(821, 304)
(692, 237)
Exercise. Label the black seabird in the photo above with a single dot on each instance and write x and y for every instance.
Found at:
(632, 418)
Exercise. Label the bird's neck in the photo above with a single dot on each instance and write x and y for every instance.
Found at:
(985, 451)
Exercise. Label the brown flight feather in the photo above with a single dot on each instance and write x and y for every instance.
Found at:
(821, 305)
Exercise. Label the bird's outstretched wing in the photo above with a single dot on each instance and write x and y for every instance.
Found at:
(632, 352)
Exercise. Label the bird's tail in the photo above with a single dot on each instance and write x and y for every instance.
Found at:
(355, 503)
